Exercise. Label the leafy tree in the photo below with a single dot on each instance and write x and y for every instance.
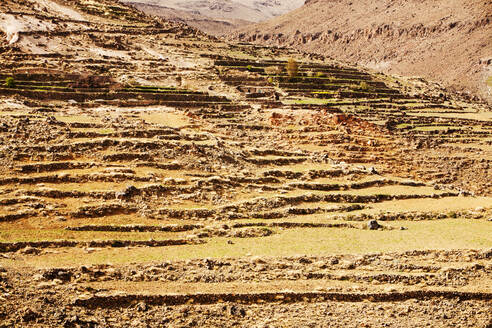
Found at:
(9, 82)
(292, 67)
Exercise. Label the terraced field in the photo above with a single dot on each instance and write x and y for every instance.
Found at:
(153, 176)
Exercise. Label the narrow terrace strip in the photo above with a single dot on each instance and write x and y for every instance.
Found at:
(281, 297)
(13, 247)
(189, 227)
(137, 228)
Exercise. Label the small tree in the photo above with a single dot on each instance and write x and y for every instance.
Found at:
(9, 82)
(292, 67)
(364, 86)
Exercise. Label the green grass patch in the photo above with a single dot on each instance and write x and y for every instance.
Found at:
(439, 234)
(308, 101)
(323, 92)
(403, 126)
(433, 128)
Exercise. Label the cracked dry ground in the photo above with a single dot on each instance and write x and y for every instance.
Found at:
(188, 195)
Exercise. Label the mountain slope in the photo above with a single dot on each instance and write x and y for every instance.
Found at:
(192, 18)
(444, 40)
(216, 16)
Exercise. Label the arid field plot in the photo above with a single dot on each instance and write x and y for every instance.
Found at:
(153, 176)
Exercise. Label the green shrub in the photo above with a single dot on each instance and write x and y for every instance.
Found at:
(249, 67)
(292, 67)
(320, 74)
(9, 82)
(270, 80)
(364, 86)
(452, 215)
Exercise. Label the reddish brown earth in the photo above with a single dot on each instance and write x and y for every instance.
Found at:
(445, 40)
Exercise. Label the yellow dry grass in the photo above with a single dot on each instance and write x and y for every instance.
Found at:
(439, 234)
(173, 120)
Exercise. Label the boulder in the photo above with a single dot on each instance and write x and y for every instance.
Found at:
(373, 225)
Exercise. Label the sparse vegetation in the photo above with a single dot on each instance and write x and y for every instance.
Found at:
(292, 68)
(133, 83)
(9, 82)
(489, 81)
(364, 86)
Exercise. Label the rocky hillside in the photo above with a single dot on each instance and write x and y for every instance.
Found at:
(192, 18)
(154, 176)
(216, 16)
(443, 40)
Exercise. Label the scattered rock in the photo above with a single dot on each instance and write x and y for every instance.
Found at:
(30, 251)
(251, 232)
(141, 307)
(235, 310)
(38, 277)
(129, 192)
(29, 315)
(373, 225)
